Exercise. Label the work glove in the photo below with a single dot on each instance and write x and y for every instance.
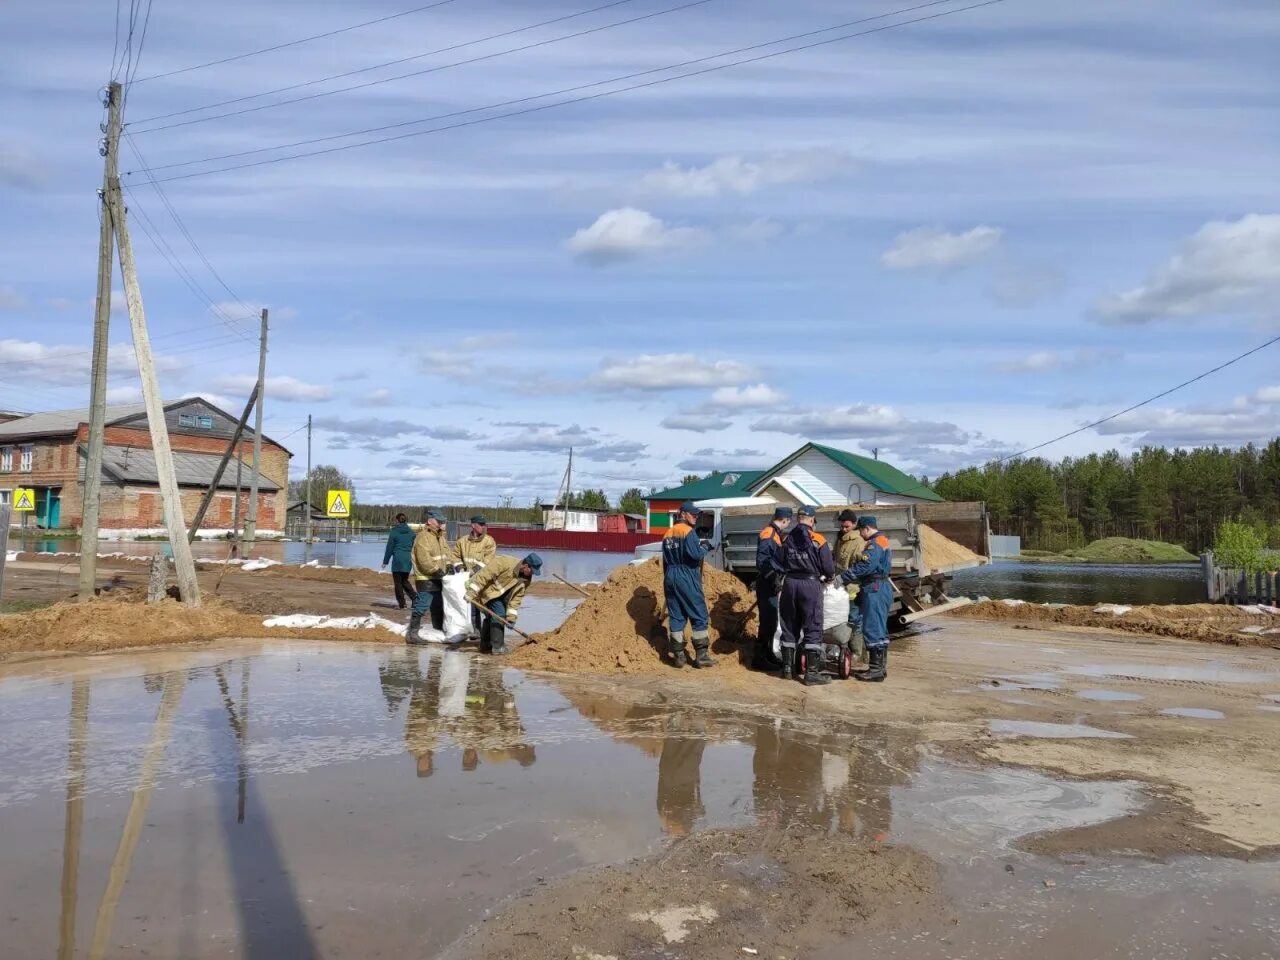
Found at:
(511, 616)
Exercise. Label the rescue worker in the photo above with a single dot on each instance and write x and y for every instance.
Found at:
(806, 562)
(849, 549)
(473, 552)
(768, 583)
(399, 554)
(875, 596)
(683, 549)
(432, 557)
(501, 586)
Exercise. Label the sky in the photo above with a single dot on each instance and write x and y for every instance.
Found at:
(944, 241)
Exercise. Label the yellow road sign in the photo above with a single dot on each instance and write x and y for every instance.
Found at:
(24, 500)
(338, 503)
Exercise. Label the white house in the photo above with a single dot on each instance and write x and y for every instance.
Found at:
(822, 476)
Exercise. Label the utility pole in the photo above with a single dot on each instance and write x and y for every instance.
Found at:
(92, 487)
(308, 494)
(251, 524)
(163, 453)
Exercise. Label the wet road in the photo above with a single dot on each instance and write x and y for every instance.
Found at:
(305, 800)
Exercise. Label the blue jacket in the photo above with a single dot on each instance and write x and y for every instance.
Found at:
(806, 553)
(769, 556)
(399, 552)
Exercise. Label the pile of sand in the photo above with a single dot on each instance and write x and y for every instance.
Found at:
(619, 628)
(942, 553)
(1217, 623)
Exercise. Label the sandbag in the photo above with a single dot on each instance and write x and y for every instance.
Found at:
(835, 606)
(457, 611)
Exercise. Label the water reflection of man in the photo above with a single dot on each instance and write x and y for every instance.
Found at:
(680, 782)
(788, 787)
(423, 724)
(396, 676)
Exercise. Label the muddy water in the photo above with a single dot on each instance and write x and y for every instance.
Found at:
(306, 800)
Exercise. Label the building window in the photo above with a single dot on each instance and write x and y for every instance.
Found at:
(27, 452)
(195, 422)
(6, 459)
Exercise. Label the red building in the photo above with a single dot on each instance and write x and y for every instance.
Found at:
(46, 451)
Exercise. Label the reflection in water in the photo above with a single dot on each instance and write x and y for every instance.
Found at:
(77, 743)
(475, 713)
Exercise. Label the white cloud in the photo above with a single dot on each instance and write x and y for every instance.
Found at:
(861, 422)
(1043, 361)
(378, 398)
(696, 422)
(69, 365)
(670, 371)
(129, 394)
(746, 398)
(1267, 395)
(628, 233)
(289, 389)
(1224, 266)
(734, 174)
(10, 299)
(708, 458)
(933, 248)
(20, 168)
(362, 431)
(1166, 427)
(622, 451)
(541, 440)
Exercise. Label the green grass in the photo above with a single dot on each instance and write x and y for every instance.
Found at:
(23, 606)
(1125, 550)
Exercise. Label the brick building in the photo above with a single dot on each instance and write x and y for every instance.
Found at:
(46, 451)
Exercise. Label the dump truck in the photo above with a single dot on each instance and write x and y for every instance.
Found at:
(923, 561)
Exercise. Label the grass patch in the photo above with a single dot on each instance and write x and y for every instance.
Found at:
(24, 606)
(1125, 550)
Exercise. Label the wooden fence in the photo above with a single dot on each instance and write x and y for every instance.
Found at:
(1225, 585)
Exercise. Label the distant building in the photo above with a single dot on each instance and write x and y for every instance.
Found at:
(816, 475)
(576, 519)
(47, 451)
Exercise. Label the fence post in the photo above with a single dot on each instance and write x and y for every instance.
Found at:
(1207, 571)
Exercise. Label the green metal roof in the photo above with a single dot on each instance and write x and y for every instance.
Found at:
(730, 483)
(882, 475)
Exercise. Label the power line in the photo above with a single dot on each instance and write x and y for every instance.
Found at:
(142, 39)
(380, 66)
(540, 107)
(426, 70)
(292, 43)
(115, 48)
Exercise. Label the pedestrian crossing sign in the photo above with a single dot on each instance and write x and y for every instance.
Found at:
(338, 504)
(24, 500)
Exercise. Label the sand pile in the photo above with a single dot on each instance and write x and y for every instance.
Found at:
(618, 629)
(942, 553)
(1216, 623)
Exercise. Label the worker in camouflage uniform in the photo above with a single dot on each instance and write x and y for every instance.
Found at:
(473, 552)
(875, 596)
(432, 557)
(501, 586)
(849, 549)
(806, 563)
(768, 584)
(683, 549)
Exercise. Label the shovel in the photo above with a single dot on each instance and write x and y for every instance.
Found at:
(573, 585)
(502, 620)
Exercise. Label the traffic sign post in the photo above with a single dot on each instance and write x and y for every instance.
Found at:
(338, 504)
(24, 500)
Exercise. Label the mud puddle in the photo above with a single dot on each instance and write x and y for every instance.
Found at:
(314, 799)
(1056, 731)
(1204, 673)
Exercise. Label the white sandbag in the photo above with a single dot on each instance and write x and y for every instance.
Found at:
(457, 611)
(835, 606)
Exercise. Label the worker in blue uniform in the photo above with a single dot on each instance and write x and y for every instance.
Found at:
(875, 596)
(683, 549)
(806, 562)
(768, 586)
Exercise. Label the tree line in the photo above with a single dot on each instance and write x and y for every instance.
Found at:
(1178, 496)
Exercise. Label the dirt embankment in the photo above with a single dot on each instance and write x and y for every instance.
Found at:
(620, 628)
(719, 895)
(1211, 622)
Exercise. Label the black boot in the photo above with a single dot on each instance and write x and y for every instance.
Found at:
(879, 657)
(497, 640)
(813, 675)
(702, 647)
(675, 650)
(413, 635)
(788, 663)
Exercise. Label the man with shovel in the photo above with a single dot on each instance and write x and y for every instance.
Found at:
(500, 587)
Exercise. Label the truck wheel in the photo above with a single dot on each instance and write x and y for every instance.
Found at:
(897, 623)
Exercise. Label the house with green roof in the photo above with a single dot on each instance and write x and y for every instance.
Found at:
(823, 476)
(663, 503)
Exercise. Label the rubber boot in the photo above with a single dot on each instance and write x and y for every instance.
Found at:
(675, 650)
(813, 675)
(413, 635)
(497, 640)
(788, 663)
(702, 647)
(879, 657)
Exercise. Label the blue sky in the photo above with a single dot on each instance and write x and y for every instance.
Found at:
(949, 240)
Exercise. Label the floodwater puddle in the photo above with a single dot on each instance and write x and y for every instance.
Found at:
(1206, 673)
(1194, 713)
(1056, 731)
(1118, 696)
(309, 799)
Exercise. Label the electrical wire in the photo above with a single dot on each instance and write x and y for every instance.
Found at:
(142, 39)
(418, 73)
(115, 49)
(541, 107)
(292, 43)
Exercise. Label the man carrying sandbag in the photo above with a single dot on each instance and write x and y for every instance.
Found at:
(806, 562)
(501, 586)
(432, 557)
(474, 552)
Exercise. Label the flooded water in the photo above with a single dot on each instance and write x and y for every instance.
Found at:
(1083, 583)
(303, 800)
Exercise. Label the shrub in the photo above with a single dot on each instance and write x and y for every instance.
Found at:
(1238, 546)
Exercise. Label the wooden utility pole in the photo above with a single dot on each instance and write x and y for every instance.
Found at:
(308, 494)
(163, 453)
(251, 524)
(92, 487)
(222, 466)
